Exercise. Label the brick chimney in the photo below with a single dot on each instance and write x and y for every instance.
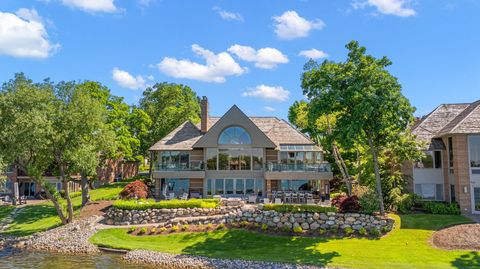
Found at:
(204, 114)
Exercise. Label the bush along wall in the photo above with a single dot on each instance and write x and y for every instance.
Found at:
(285, 219)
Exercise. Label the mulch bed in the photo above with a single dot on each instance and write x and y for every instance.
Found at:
(95, 208)
(465, 236)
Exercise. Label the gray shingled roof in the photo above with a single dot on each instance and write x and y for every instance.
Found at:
(277, 130)
(448, 119)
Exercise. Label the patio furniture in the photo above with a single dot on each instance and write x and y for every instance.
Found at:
(288, 197)
(252, 199)
(184, 196)
(171, 196)
(278, 201)
(294, 197)
(301, 198)
(266, 200)
(310, 201)
(195, 195)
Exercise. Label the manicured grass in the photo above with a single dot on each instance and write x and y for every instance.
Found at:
(5, 210)
(405, 247)
(43, 216)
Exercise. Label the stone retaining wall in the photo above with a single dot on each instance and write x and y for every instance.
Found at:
(252, 214)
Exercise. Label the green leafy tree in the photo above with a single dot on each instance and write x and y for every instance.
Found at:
(168, 105)
(367, 100)
(26, 110)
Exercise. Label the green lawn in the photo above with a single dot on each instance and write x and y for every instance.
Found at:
(43, 216)
(405, 247)
(5, 210)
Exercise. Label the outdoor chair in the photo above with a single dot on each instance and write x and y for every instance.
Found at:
(294, 197)
(278, 201)
(288, 197)
(184, 196)
(171, 196)
(252, 199)
(266, 200)
(310, 201)
(301, 198)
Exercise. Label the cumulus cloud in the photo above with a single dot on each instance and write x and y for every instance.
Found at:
(266, 58)
(226, 15)
(290, 25)
(269, 93)
(313, 54)
(126, 80)
(107, 6)
(388, 7)
(216, 68)
(24, 35)
(269, 108)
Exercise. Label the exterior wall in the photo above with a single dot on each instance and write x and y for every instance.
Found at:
(271, 155)
(462, 173)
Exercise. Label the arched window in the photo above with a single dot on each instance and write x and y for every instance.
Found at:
(234, 135)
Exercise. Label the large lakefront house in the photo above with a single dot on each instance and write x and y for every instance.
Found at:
(235, 156)
(451, 170)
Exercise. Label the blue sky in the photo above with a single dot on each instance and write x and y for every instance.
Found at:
(249, 53)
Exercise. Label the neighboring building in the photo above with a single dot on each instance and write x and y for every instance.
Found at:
(27, 187)
(451, 170)
(237, 155)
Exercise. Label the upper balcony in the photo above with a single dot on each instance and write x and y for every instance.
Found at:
(192, 169)
(298, 171)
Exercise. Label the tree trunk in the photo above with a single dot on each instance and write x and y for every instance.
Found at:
(378, 180)
(85, 189)
(339, 160)
(67, 194)
(359, 172)
(54, 200)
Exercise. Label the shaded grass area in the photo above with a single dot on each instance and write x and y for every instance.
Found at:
(43, 216)
(5, 210)
(406, 246)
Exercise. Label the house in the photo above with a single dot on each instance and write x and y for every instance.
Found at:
(451, 169)
(237, 155)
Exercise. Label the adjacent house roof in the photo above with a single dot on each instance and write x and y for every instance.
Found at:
(448, 119)
(277, 130)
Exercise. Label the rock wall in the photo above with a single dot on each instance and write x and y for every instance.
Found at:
(252, 214)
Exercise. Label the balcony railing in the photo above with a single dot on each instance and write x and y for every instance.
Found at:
(318, 167)
(191, 166)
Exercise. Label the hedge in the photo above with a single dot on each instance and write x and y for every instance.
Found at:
(289, 208)
(441, 208)
(151, 204)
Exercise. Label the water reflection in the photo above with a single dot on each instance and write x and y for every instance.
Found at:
(11, 259)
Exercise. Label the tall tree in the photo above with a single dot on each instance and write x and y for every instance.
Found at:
(168, 105)
(319, 127)
(370, 107)
(26, 110)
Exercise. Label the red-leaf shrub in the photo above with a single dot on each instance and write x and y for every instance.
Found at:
(135, 190)
(346, 204)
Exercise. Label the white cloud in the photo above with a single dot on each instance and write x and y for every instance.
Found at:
(269, 93)
(269, 108)
(125, 80)
(24, 35)
(92, 5)
(290, 25)
(313, 54)
(216, 67)
(387, 7)
(226, 15)
(266, 58)
(145, 3)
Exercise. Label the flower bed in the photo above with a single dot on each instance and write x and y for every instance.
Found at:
(170, 204)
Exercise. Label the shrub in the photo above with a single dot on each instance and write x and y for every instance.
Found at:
(441, 208)
(385, 229)
(132, 229)
(162, 229)
(286, 229)
(322, 231)
(135, 190)
(264, 227)
(297, 229)
(346, 204)
(362, 231)
(185, 227)
(221, 226)
(153, 230)
(348, 231)
(369, 202)
(244, 223)
(151, 204)
(289, 208)
(134, 178)
(143, 230)
(374, 232)
(256, 225)
(175, 228)
(209, 226)
(406, 202)
(75, 194)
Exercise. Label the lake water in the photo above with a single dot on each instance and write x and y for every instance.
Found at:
(15, 260)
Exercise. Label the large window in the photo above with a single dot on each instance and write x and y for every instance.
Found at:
(450, 155)
(299, 160)
(239, 159)
(173, 160)
(234, 136)
(474, 149)
(178, 186)
(431, 159)
(429, 191)
(235, 187)
(212, 158)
